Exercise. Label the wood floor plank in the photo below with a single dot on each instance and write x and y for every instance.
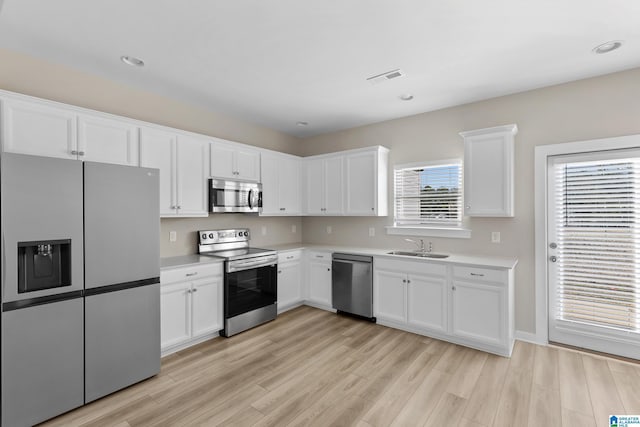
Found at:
(602, 388)
(311, 367)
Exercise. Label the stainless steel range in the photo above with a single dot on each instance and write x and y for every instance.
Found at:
(250, 279)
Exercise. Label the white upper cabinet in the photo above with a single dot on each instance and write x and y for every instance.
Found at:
(280, 177)
(488, 171)
(38, 129)
(234, 161)
(44, 128)
(107, 141)
(183, 163)
(324, 183)
(366, 182)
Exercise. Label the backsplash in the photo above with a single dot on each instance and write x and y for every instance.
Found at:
(278, 230)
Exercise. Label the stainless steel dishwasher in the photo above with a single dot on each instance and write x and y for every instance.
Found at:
(352, 284)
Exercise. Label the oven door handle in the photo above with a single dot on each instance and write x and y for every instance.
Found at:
(234, 266)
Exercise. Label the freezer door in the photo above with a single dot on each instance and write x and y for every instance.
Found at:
(122, 224)
(122, 339)
(41, 202)
(42, 365)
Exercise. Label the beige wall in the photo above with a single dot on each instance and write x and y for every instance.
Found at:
(587, 109)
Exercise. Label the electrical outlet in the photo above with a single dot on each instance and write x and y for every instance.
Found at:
(173, 236)
(293, 228)
(264, 230)
(495, 237)
(372, 231)
(329, 229)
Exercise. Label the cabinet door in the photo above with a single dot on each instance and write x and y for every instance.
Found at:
(289, 186)
(361, 184)
(158, 150)
(207, 309)
(334, 186)
(192, 166)
(427, 302)
(320, 283)
(247, 164)
(175, 314)
(107, 141)
(270, 184)
(222, 161)
(37, 129)
(478, 312)
(314, 184)
(289, 284)
(389, 299)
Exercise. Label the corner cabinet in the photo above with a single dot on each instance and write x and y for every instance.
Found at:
(281, 190)
(191, 305)
(183, 163)
(488, 171)
(45, 128)
(230, 160)
(467, 305)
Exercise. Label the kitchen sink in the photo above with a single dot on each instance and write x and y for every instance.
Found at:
(418, 254)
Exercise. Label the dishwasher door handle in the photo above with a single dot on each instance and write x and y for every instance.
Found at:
(350, 261)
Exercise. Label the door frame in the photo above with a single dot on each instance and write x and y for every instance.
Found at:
(542, 154)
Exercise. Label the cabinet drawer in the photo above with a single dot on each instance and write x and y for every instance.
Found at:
(480, 274)
(182, 274)
(288, 256)
(319, 256)
(417, 267)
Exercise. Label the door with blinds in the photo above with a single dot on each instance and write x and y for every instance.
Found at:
(594, 251)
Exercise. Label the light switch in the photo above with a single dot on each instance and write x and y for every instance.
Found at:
(264, 230)
(329, 229)
(372, 231)
(293, 228)
(173, 236)
(495, 237)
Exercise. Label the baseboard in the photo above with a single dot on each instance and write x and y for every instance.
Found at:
(529, 337)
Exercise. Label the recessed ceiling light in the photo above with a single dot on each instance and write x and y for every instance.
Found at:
(406, 97)
(302, 123)
(607, 47)
(132, 60)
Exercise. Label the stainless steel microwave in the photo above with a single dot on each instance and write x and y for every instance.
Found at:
(234, 196)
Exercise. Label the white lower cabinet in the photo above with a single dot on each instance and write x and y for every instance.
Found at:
(467, 305)
(191, 305)
(289, 280)
(411, 294)
(319, 279)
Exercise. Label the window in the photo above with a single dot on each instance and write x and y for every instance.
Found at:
(428, 194)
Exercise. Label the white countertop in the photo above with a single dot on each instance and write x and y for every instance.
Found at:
(464, 259)
(185, 260)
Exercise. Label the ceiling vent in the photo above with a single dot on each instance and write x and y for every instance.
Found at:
(389, 75)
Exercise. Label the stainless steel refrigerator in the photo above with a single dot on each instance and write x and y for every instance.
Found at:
(80, 283)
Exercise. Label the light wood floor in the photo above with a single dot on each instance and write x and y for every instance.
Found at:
(314, 368)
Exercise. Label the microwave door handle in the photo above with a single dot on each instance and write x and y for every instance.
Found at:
(250, 193)
(259, 199)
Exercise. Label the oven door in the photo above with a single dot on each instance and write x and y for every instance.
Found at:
(250, 289)
(234, 196)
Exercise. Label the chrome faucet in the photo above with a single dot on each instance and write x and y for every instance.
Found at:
(420, 245)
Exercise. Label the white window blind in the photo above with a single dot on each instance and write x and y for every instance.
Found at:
(597, 226)
(429, 194)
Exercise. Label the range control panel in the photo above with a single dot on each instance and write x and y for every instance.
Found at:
(207, 237)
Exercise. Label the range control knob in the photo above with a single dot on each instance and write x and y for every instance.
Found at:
(204, 236)
(246, 234)
(211, 235)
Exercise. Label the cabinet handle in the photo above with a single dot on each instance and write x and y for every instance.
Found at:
(477, 274)
(404, 281)
(74, 152)
(289, 257)
(191, 274)
(188, 291)
(178, 207)
(194, 290)
(453, 288)
(319, 256)
(328, 269)
(373, 209)
(80, 153)
(281, 209)
(408, 281)
(279, 271)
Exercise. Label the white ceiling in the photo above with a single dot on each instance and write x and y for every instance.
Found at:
(277, 62)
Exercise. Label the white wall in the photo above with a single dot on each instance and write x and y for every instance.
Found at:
(587, 109)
